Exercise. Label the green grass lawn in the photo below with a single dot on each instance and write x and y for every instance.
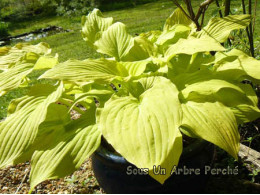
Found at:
(142, 18)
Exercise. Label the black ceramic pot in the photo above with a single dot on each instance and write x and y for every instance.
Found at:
(110, 170)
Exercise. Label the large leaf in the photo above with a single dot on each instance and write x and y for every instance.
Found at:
(245, 113)
(93, 26)
(220, 28)
(172, 36)
(18, 131)
(213, 122)
(10, 56)
(18, 61)
(177, 17)
(86, 70)
(235, 64)
(141, 50)
(136, 68)
(193, 45)
(185, 79)
(230, 94)
(240, 98)
(13, 77)
(102, 93)
(63, 144)
(184, 63)
(151, 35)
(115, 41)
(203, 86)
(4, 50)
(144, 128)
(40, 48)
(45, 62)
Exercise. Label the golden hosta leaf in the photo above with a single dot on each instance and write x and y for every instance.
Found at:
(220, 28)
(86, 70)
(94, 25)
(144, 129)
(63, 144)
(10, 56)
(213, 122)
(115, 41)
(19, 129)
(193, 45)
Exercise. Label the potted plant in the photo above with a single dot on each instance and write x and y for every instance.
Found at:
(142, 96)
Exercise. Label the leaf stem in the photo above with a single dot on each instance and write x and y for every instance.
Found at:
(70, 105)
(251, 40)
(195, 18)
(179, 6)
(249, 30)
(227, 7)
(219, 11)
(254, 17)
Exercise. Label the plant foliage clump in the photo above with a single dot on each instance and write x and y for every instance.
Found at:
(150, 90)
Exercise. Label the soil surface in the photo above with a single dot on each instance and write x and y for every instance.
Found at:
(15, 179)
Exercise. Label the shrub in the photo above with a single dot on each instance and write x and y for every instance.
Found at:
(75, 7)
(106, 5)
(10, 9)
(4, 30)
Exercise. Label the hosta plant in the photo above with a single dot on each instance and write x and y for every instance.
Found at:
(142, 96)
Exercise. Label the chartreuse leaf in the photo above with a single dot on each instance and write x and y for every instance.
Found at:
(72, 88)
(63, 144)
(177, 17)
(10, 56)
(86, 70)
(19, 62)
(220, 28)
(235, 64)
(184, 63)
(185, 79)
(193, 45)
(144, 128)
(141, 50)
(102, 93)
(151, 35)
(13, 77)
(135, 68)
(172, 36)
(203, 87)
(213, 122)
(46, 62)
(245, 113)
(40, 48)
(4, 50)
(240, 98)
(94, 25)
(19, 129)
(217, 90)
(115, 41)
